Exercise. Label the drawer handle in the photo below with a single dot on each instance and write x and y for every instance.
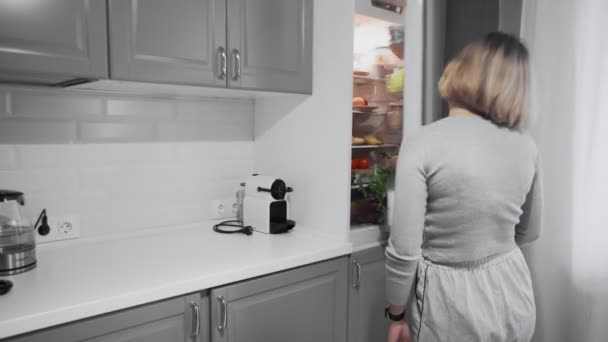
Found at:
(223, 314)
(222, 63)
(357, 271)
(196, 320)
(237, 65)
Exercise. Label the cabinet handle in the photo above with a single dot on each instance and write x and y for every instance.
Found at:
(237, 65)
(223, 314)
(196, 320)
(221, 52)
(357, 271)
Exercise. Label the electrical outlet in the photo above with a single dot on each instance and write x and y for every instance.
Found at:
(217, 209)
(223, 209)
(62, 228)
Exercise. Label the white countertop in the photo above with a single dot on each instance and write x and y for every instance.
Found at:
(87, 278)
(368, 236)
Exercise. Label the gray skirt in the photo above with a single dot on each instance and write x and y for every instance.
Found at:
(489, 300)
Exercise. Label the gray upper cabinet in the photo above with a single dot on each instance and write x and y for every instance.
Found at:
(49, 42)
(160, 41)
(182, 319)
(270, 45)
(300, 305)
(241, 44)
(366, 296)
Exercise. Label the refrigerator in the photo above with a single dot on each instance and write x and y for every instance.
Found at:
(395, 93)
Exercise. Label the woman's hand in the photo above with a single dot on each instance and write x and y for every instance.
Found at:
(399, 332)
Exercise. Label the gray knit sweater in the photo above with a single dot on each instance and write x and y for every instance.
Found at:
(466, 189)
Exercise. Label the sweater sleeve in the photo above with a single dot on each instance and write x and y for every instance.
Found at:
(530, 222)
(404, 246)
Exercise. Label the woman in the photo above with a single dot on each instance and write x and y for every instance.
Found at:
(468, 195)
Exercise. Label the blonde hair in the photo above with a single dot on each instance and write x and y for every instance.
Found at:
(490, 77)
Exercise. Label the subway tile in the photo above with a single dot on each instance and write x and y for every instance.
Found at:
(7, 157)
(105, 178)
(141, 109)
(226, 118)
(36, 131)
(202, 110)
(232, 169)
(54, 105)
(40, 180)
(128, 218)
(47, 156)
(198, 151)
(185, 132)
(148, 153)
(235, 150)
(115, 132)
(56, 203)
(203, 131)
(95, 155)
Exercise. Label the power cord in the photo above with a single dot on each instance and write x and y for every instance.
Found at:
(44, 228)
(247, 230)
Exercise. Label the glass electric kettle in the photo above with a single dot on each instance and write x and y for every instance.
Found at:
(17, 235)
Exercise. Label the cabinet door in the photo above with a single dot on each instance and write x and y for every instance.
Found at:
(172, 320)
(270, 45)
(52, 41)
(366, 296)
(162, 41)
(301, 305)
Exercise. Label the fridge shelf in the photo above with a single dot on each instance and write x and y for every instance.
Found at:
(359, 186)
(369, 113)
(363, 171)
(375, 146)
(362, 80)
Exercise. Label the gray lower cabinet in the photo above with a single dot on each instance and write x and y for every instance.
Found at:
(160, 41)
(50, 42)
(301, 305)
(366, 296)
(270, 45)
(181, 319)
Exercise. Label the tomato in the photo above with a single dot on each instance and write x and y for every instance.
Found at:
(354, 164)
(364, 163)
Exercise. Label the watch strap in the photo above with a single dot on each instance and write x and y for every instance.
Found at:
(394, 318)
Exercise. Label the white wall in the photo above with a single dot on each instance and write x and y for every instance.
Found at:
(116, 179)
(306, 139)
(551, 40)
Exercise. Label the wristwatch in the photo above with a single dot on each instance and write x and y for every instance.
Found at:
(394, 318)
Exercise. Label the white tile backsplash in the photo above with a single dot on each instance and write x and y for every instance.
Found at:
(36, 131)
(31, 157)
(191, 110)
(35, 115)
(40, 104)
(115, 131)
(7, 158)
(142, 108)
(40, 180)
(122, 162)
(122, 187)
